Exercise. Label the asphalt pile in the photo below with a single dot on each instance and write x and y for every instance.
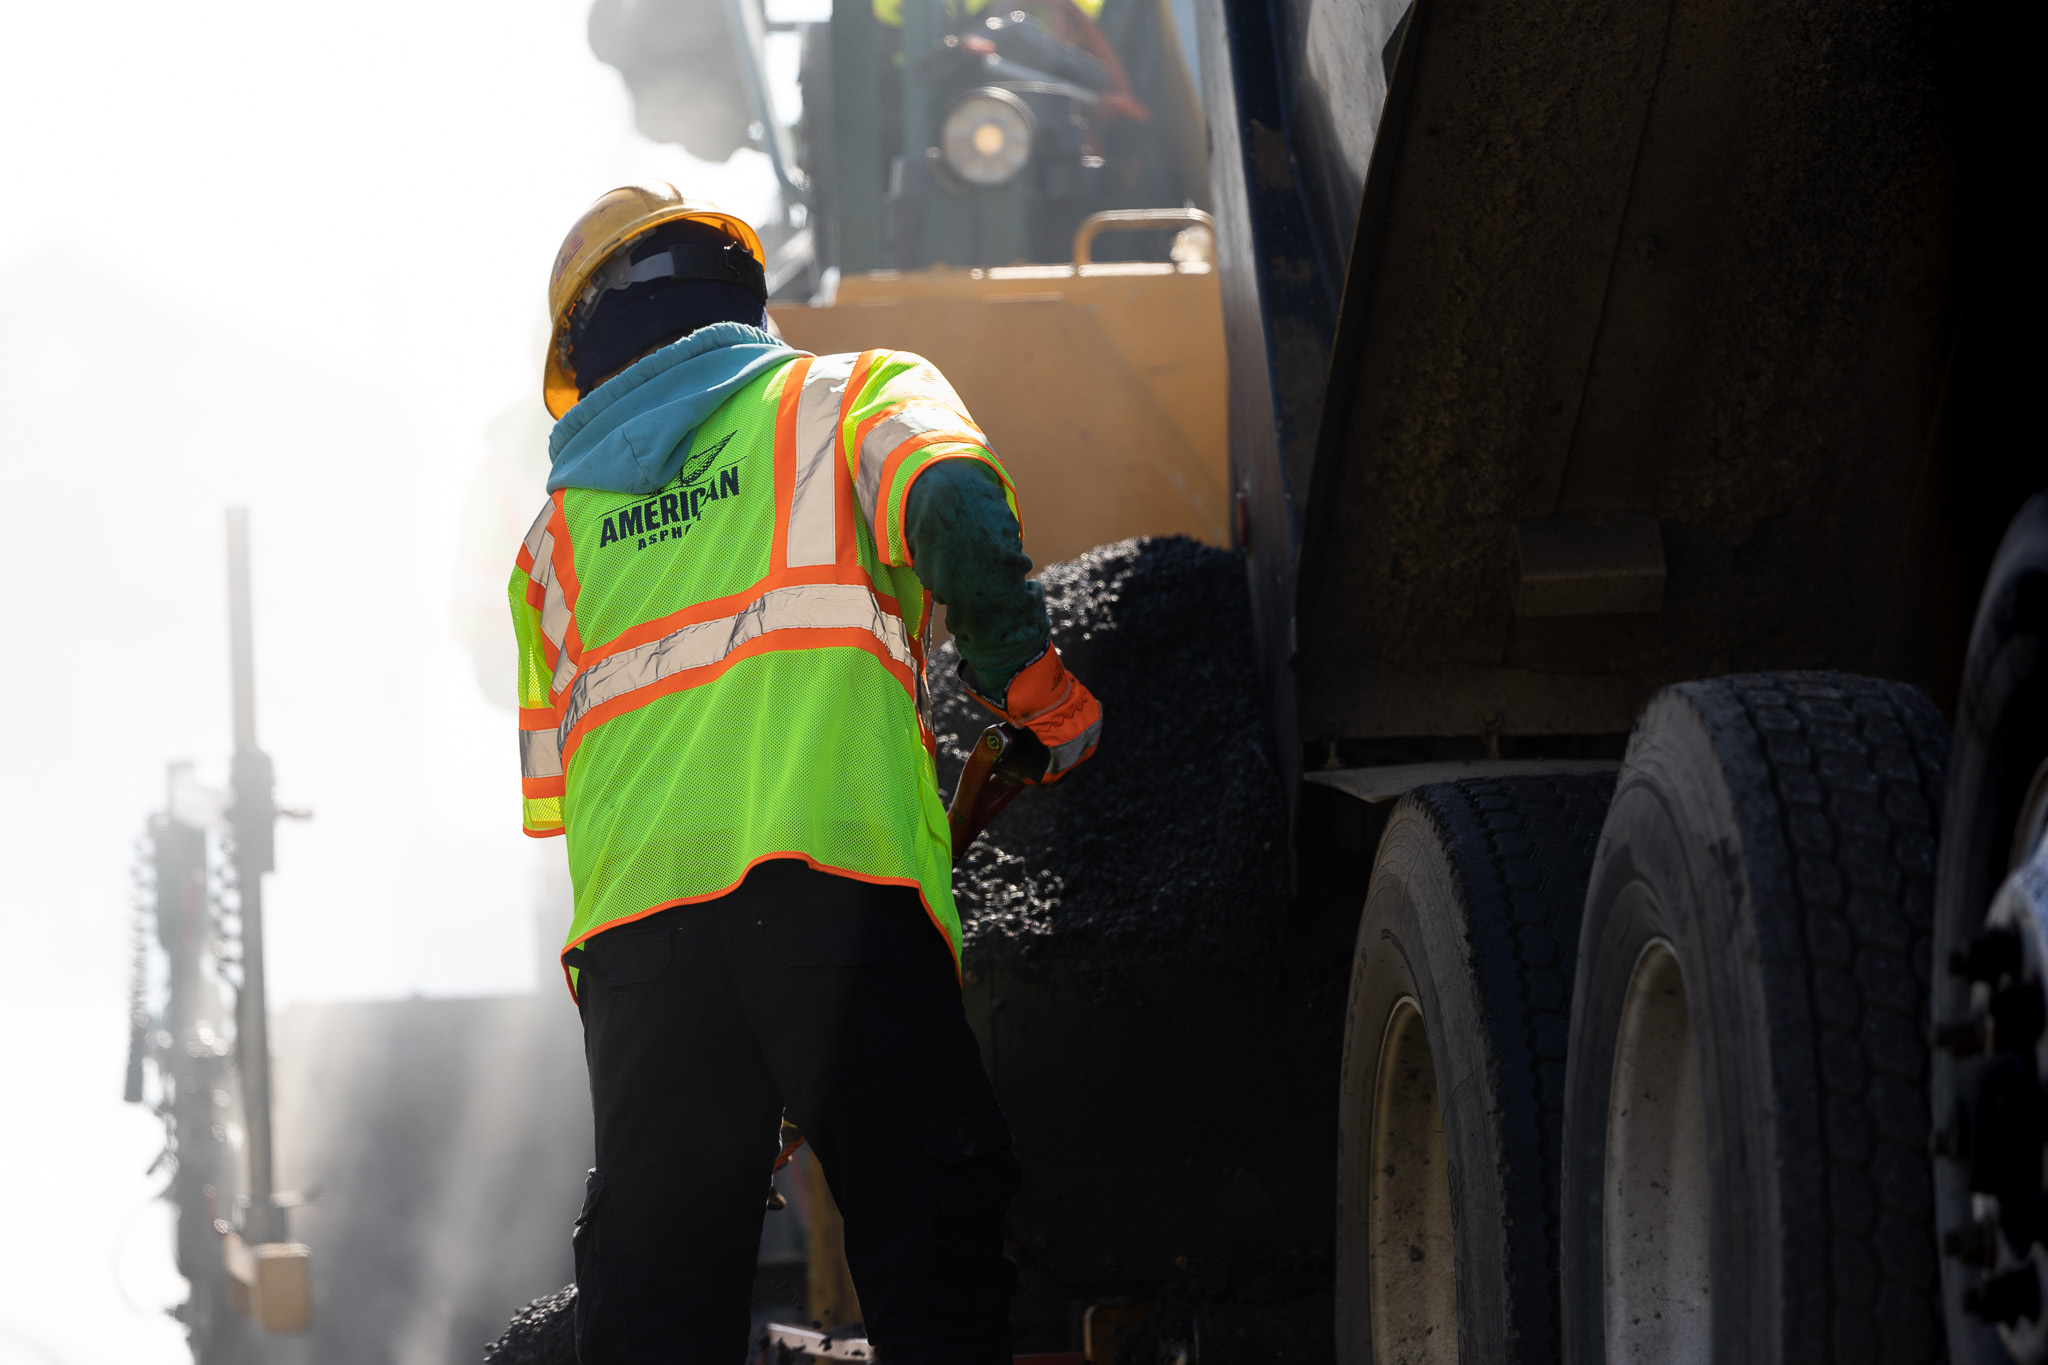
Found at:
(1169, 843)
(542, 1333)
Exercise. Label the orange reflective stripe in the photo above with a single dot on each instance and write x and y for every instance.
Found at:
(863, 366)
(530, 544)
(564, 556)
(785, 459)
(902, 405)
(901, 495)
(849, 542)
(564, 655)
(539, 788)
(543, 593)
(910, 418)
(565, 563)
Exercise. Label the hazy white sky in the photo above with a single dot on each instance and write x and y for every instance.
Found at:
(292, 258)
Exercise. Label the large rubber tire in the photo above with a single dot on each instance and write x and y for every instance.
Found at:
(2001, 744)
(1451, 1119)
(1746, 1178)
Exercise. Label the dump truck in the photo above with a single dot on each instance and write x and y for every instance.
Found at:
(1614, 383)
(1650, 616)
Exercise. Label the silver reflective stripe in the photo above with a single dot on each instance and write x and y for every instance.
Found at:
(554, 608)
(1065, 756)
(537, 530)
(814, 606)
(885, 437)
(554, 615)
(554, 605)
(812, 520)
(565, 669)
(554, 612)
(540, 753)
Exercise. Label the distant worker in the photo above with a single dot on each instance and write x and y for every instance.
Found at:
(723, 617)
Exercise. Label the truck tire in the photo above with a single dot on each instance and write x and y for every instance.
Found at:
(1450, 1122)
(1998, 785)
(1746, 1179)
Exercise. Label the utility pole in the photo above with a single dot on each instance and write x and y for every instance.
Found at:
(253, 817)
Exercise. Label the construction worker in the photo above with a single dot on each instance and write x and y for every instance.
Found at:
(723, 615)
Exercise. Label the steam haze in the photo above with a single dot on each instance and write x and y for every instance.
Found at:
(291, 258)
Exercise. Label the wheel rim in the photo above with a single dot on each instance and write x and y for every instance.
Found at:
(2033, 821)
(1414, 1282)
(2009, 1252)
(1655, 1216)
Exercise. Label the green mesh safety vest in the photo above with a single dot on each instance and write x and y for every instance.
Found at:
(731, 669)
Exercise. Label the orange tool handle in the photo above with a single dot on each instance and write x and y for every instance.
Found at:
(1005, 760)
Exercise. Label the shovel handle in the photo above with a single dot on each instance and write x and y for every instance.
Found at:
(1004, 760)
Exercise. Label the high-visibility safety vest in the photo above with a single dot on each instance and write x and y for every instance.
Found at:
(731, 669)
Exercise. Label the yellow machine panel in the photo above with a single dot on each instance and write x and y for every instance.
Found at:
(1101, 386)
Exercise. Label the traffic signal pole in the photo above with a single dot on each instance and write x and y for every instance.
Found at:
(253, 818)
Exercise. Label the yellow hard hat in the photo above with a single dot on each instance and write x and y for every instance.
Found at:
(618, 218)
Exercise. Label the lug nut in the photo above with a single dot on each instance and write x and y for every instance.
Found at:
(2017, 1016)
(2006, 1298)
(1962, 1037)
(1952, 1139)
(1975, 1245)
(1990, 955)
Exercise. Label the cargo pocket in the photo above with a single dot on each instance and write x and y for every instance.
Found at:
(589, 1282)
(630, 955)
(975, 1174)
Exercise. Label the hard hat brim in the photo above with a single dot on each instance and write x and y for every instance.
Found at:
(558, 381)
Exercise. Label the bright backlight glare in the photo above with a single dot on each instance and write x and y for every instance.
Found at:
(293, 258)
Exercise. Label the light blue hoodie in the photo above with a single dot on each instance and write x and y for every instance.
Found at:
(632, 433)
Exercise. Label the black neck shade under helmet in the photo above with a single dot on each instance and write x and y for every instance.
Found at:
(703, 277)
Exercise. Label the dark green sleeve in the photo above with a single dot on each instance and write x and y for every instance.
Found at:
(967, 547)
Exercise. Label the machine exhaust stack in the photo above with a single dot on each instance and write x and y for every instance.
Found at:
(270, 1274)
(252, 816)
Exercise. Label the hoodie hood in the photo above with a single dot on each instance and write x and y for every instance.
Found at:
(633, 432)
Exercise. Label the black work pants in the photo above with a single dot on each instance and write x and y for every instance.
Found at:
(837, 1000)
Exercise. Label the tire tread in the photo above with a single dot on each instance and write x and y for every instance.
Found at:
(1857, 765)
(1521, 849)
